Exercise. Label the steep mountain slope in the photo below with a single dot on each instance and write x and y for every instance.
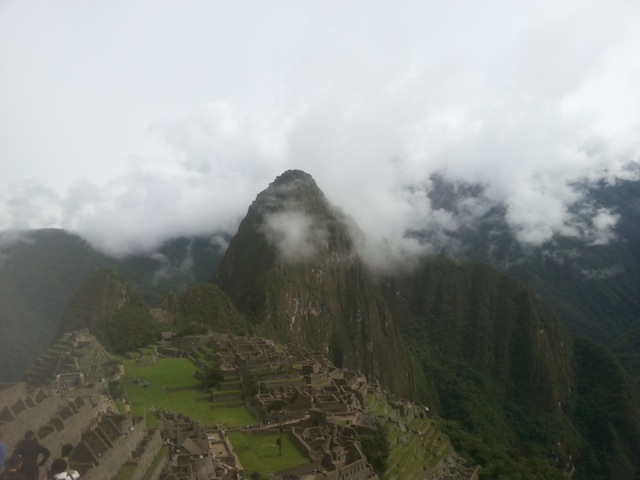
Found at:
(293, 270)
(110, 309)
(594, 288)
(205, 305)
(39, 271)
(469, 316)
(482, 348)
(505, 367)
(605, 410)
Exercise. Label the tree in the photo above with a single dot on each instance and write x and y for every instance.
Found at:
(211, 377)
(277, 406)
(376, 448)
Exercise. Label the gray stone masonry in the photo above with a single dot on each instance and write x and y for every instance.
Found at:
(146, 453)
(106, 448)
(56, 420)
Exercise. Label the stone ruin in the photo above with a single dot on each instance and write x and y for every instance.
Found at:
(64, 403)
(197, 453)
(336, 451)
(75, 360)
(309, 396)
(103, 441)
(65, 400)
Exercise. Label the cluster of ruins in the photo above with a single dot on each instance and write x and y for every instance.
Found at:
(284, 386)
(288, 389)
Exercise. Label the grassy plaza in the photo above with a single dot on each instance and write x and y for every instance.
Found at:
(170, 383)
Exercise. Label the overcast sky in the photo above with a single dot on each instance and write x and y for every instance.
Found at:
(132, 121)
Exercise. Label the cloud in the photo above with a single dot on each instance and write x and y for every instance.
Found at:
(296, 236)
(532, 103)
(603, 273)
(31, 203)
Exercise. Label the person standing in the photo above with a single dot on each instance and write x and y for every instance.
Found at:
(3, 451)
(34, 455)
(65, 453)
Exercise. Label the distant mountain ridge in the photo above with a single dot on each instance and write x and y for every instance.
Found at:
(593, 288)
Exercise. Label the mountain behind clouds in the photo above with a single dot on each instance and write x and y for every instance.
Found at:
(593, 288)
(293, 269)
(463, 338)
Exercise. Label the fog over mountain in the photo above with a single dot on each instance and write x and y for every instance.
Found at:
(132, 123)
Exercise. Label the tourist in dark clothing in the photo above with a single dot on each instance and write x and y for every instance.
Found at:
(66, 450)
(34, 455)
(12, 469)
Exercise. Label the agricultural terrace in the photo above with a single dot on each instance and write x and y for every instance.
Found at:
(152, 382)
(416, 443)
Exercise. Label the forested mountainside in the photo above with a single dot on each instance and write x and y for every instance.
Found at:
(471, 343)
(40, 271)
(594, 288)
(476, 345)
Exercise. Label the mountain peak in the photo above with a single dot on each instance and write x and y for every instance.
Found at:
(294, 190)
(292, 176)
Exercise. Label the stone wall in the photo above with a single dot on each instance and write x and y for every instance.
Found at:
(10, 393)
(55, 420)
(29, 411)
(358, 470)
(105, 449)
(146, 453)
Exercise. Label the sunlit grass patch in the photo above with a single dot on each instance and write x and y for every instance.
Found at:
(260, 452)
(170, 383)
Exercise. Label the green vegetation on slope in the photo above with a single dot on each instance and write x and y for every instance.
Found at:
(607, 414)
(106, 305)
(376, 448)
(39, 271)
(497, 360)
(205, 304)
(497, 461)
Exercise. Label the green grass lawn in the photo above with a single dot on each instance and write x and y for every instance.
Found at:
(177, 373)
(260, 453)
(126, 472)
(171, 384)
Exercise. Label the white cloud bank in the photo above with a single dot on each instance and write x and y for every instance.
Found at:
(131, 123)
(295, 235)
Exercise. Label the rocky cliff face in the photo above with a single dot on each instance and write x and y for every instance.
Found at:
(293, 270)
